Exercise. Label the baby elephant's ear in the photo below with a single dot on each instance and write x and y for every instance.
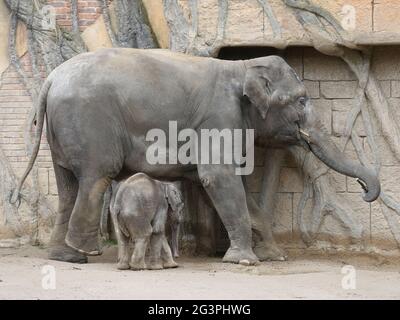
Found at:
(174, 196)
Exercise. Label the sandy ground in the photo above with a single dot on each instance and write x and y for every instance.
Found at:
(302, 277)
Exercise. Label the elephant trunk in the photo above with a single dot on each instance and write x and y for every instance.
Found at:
(175, 240)
(326, 150)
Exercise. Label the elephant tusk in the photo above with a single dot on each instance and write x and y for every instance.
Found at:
(305, 135)
(362, 184)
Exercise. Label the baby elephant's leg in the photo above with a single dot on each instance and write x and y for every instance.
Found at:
(123, 245)
(139, 253)
(123, 252)
(157, 237)
(156, 243)
(166, 255)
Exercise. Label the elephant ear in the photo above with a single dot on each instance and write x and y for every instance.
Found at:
(257, 88)
(174, 197)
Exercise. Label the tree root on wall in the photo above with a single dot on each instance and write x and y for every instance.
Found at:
(178, 26)
(319, 189)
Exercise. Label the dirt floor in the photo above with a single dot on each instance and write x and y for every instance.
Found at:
(22, 276)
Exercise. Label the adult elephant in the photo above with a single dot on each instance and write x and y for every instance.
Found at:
(101, 105)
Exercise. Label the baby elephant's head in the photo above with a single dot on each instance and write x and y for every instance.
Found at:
(175, 201)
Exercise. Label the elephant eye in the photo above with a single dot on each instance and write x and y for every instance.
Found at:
(302, 101)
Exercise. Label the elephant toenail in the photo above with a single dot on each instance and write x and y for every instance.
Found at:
(244, 262)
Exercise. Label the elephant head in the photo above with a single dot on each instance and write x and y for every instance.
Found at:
(175, 214)
(283, 115)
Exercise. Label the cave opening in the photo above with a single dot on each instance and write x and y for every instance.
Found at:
(247, 52)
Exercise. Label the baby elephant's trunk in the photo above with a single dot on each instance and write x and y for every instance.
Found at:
(175, 239)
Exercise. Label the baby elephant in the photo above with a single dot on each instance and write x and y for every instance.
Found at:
(140, 208)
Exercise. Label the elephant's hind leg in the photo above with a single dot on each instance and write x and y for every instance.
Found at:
(157, 238)
(166, 255)
(156, 242)
(84, 224)
(123, 244)
(139, 253)
(67, 186)
(265, 247)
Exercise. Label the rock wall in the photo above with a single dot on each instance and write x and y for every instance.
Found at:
(329, 81)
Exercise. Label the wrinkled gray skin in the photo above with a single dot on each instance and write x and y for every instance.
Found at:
(101, 105)
(140, 208)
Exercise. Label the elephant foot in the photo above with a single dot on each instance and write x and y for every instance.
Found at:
(88, 245)
(67, 254)
(270, 252)
(122, 265)
(243, 257)
(170, 264)
(155, 266)
(137, 265)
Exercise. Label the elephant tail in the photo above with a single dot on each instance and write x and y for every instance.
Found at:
(105, 212)
(39, 120)
(116, 202)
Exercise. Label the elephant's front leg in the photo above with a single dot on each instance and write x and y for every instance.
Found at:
(227, 193)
